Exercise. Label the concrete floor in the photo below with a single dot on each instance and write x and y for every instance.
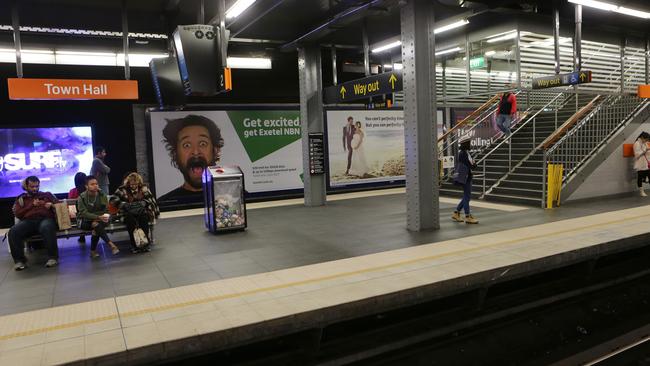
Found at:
(277, 237)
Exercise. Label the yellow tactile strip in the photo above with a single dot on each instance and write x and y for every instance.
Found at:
(150, 319)
(48, 320)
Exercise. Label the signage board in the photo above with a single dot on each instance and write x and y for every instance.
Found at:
(45, 89)
(476, 63)
(316, 154)
(572, 78)
(447, 162)
(385, 83)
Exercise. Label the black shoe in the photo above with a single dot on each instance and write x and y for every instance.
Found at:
(82, 239)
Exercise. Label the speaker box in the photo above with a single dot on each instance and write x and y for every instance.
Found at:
(167, 81)
(198, 49)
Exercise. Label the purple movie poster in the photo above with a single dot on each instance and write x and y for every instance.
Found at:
(52, 154)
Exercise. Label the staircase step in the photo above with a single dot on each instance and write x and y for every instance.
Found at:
(536, 186)
(518, 192)
(527, 201)
(526, 177)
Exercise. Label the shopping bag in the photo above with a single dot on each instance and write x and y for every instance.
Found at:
(62, 216)
(140, 238)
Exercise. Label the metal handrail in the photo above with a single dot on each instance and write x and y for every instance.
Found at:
(588, 135)
(521, 125)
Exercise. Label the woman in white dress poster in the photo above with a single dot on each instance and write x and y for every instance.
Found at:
(359, 165)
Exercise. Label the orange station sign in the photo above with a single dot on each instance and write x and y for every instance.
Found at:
(644, 91)
(45, 89)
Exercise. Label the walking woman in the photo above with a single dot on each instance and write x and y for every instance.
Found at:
(463, 177)
(92, 207)
(642, 160)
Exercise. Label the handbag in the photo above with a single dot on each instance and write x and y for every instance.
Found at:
(62, 215)
(140, 238)
(136, 208)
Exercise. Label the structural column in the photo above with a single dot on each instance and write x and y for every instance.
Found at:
(418, 50)
(15, 23)
(311, 118)
(556, 38)
(577, 40)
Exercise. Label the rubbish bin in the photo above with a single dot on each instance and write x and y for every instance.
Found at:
(223, 193)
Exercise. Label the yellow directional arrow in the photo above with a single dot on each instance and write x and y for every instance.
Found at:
(583, 76)
(392, 80)
(343, 92)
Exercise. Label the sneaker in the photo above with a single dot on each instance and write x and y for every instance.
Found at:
(642, 192)
(20, 266)
(115, 250)
(82, 239)
(135, 250)
(51, 263)
(456, 217)
(469, 219)
(94, 254)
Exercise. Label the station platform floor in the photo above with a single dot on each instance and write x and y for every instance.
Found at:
(291, 260)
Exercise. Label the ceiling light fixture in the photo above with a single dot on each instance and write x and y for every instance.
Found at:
(260, 63)
(449, 50)
(490, 53)
(504, 37)
(387, 47)
(612, 7)
(453, 25)
(238, 7)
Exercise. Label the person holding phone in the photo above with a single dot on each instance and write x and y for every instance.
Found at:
(35, 211)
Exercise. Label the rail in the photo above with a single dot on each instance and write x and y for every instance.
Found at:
(588, 135)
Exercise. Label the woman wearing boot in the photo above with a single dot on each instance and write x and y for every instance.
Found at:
(463, 177)
(642, 160)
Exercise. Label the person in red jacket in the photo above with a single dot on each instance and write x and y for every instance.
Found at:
(506, 113)
(35, 211)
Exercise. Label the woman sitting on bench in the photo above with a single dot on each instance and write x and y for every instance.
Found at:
(92, 208)
(139, 207)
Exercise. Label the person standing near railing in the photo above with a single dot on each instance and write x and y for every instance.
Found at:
(506, 113)
(642, 160)
(463, 177)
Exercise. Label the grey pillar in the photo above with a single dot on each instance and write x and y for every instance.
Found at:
(418, 57)
(366, 50)
(518, 57)
(647, 61)
(577, 40)
(125, 41)
(622, 86)
(334, 70)
(15, 23)
(468, 54)
(556, 38)
(311, 118)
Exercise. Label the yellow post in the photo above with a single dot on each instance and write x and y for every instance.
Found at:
(560, 174)
(550, 191)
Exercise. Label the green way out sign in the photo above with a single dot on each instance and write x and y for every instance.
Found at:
(476, 63)
(385, 83)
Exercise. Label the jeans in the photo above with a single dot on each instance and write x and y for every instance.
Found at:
(99, 232)
(25, 228)
(642, 176)
(503, 123)
(467, 195)
(132, 222)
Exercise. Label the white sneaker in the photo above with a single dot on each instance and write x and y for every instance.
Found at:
(51, 263)
(20, 266)
(642, 192)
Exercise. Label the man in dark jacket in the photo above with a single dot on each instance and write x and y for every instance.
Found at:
(348, 134)
(35, 211)
(100, 170)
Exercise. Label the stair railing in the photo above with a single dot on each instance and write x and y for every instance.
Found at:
(556, 101)
(480, 118)
(592, 131)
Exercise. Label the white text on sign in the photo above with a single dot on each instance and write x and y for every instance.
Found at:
(86, 89)
(363, 89)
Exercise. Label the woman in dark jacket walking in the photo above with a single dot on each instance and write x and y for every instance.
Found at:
(463, 177)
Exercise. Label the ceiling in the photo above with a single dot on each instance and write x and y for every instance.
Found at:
(283, 22)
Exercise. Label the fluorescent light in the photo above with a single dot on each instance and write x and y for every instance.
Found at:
(85, 58)
(238, 7)
(453, 25)
(449, 50)
(387, 66)
(612, 7)
(632, 12)
(504, 37)
(490, 53)
(138, 59)
(595, 4)
(8, 55)
(387, 47)
(249, 63)
(398, 66)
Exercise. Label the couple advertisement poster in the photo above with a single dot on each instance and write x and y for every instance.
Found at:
(267, 145)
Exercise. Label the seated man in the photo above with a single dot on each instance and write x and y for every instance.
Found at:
(36, 214)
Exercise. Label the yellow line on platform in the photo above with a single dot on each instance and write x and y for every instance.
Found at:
(324, 278)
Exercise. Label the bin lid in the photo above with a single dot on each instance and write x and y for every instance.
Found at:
(224, 171)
